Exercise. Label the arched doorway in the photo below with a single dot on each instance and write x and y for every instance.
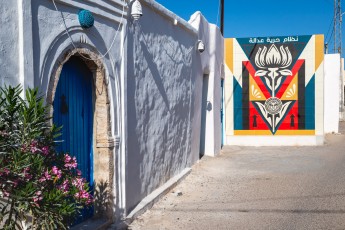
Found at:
(73, 110)
(102, 147)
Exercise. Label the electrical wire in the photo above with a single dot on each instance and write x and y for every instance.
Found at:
(329, 28)
(330, 37)
(74, 46)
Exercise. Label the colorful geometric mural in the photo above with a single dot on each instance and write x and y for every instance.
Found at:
(274, 84)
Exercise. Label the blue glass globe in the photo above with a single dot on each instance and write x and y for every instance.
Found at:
(86, 19)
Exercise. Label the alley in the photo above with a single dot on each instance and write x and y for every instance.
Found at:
(258, 188)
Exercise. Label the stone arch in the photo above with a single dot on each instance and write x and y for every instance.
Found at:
(103, 142)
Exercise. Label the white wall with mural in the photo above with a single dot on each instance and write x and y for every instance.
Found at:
(274, 90)
(211, 74)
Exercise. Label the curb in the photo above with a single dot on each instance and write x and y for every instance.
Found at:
(151, 199)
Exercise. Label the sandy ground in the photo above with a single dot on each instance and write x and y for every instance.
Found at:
(258, 188)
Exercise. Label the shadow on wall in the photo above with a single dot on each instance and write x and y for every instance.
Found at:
(155, 73)
(103, 200)
(159, 105)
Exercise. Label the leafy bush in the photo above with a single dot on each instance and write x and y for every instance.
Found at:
(39, 188)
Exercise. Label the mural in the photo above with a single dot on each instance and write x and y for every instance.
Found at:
(274, 84)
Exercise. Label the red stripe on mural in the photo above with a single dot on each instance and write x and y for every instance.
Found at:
(288, 79)
(256, 121)
(291, 120)
(257, 79)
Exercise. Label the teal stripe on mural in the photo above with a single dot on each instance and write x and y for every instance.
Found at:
(310, 105)
(238, 124)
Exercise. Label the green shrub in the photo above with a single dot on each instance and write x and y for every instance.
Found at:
(39, 188)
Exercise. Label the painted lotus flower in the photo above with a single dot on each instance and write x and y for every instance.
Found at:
(273, 63)
(273, 58)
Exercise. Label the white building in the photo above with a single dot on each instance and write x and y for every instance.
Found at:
(134, 86)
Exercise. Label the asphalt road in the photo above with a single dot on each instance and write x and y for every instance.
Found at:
(258, 188)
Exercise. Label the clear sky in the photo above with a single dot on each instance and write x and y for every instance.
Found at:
(255, 18)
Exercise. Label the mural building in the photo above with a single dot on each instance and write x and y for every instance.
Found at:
(272, 85)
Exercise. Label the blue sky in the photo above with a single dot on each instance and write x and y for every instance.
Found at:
(255, 18)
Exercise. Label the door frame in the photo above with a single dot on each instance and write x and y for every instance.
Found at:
(103, 142)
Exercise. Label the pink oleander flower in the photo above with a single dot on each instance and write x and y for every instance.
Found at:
(78, 172)
(45, 150)
(72, 163)
(67, 158)
(15, 183)
(23, 148)
(28, 176)
(82, 195)
(46, 176)
(79, 183)
(89, 200)
(33, 149)
(26, 169)
(26, 173)
(33, 146)
(85, 194)
(4, 171)
(33, 143)
(38, 197)
(56, 172)
(64, 187)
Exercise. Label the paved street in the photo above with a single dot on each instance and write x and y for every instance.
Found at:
(259, 188)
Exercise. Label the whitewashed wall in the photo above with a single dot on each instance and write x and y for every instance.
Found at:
(9, 58)
(332, 92)
(211, 69)
(160, 94)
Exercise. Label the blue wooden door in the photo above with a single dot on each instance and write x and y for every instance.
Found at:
(73, 110)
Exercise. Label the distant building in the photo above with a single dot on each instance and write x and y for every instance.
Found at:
(280, 91)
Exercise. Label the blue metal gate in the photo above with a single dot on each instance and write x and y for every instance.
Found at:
(73, 109)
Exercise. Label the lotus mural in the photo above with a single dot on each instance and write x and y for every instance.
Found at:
(273, 84)
(273, 63)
